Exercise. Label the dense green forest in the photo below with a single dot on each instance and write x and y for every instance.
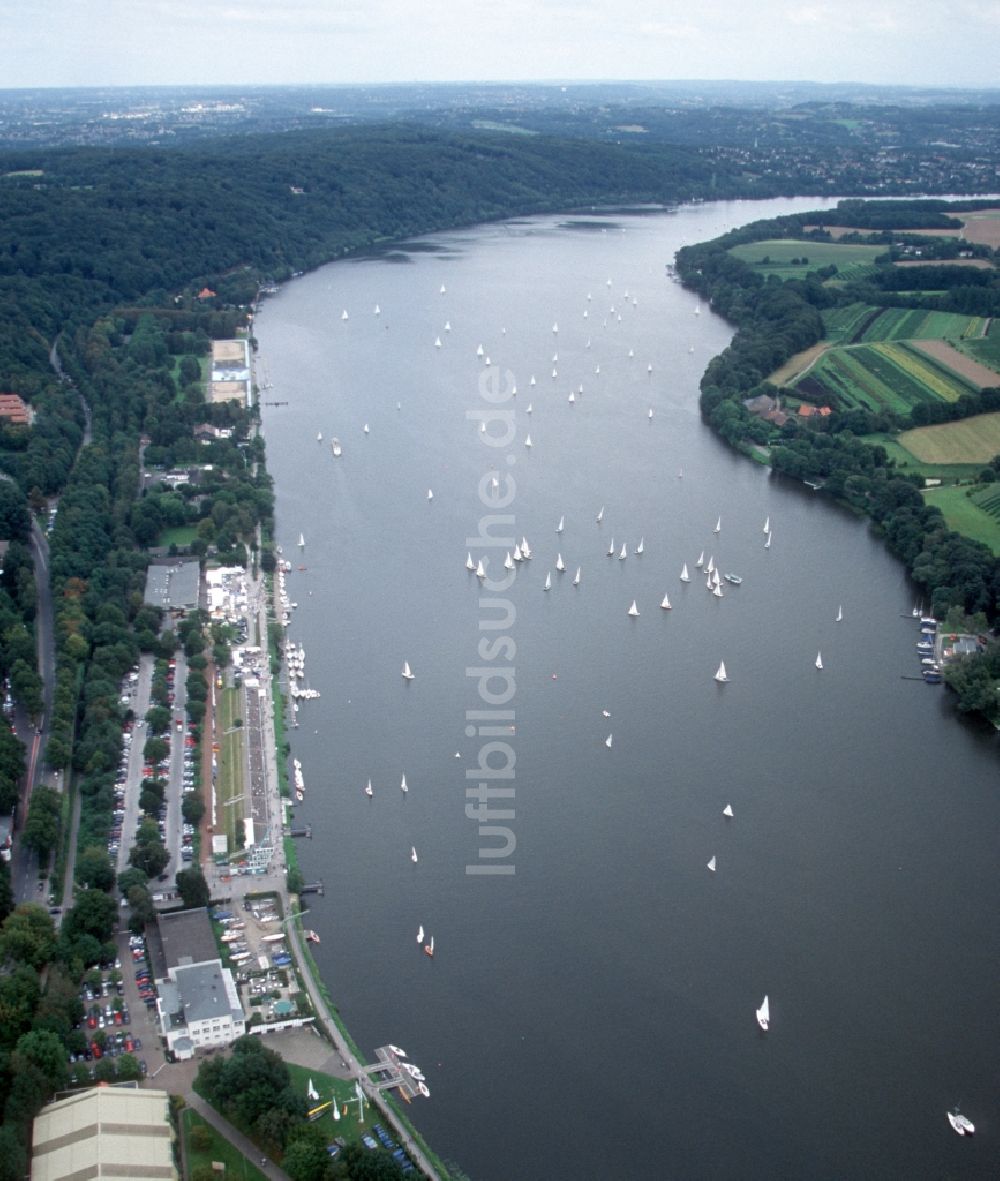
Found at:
(775, 320)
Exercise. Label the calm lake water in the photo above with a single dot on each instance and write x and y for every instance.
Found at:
(592, 1014)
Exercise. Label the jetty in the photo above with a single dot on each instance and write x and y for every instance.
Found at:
(313, 888)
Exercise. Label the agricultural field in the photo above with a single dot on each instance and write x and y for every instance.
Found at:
(908, 463)
(972, 511)
(859, 323)
(984, 349)
(852, 262)
(876, 377)
(970, 440)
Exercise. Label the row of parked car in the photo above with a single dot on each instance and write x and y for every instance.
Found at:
(143, 976)
(390, 1145)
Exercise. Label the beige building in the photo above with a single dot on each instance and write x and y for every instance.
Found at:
(104, 1132)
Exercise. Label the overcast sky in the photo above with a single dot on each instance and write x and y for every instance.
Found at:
(135, 42)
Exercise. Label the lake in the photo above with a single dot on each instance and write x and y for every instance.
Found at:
(589, 1009)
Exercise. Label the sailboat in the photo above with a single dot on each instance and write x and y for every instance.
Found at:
(651, 412)
(572, 397)
(378, 310)
(517, 553)
(666, 603)
(562, 525)
(767, 544)
(641, 546)
(343, 314)
(508, 562)
(469, 563)
(555, 328)
(720, 674)
(319, 436)
(767, 524)
(430, 494)
(420, 933)
(560, 564)
(527, 440)
(525, 548)
(442, 289)
(576, 577)
(840, 614)
(548, 581)
(335, 447)
(960, 1123)
(528, 410)
(600, 515)
(447, 325)
(819, 659)
(711, 863)
(367, 428)
(437, 342)
(764, 1015)
(429, 948)
(701, 561)
(311, 1091)
(555, 358)
(607, 741)
(685, 577)
(624, 552)
(718, 526)
(532, 381)
(611, 548)
(369, 792)
(480, 569)
(480, 351)
(302, 541)
(728, 811)
(413, 853)
(717, 591)
(403, 786)
(633, 610)
(407, 675)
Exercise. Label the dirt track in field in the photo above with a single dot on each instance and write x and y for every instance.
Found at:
(964, 366)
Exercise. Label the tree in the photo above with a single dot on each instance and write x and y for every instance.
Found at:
(41, 829)
(193, 888)
(94, 869)
(28, 936)
(150, 856)
(45, 1050)
(305, 1157)
(193, 807)
(94, 913)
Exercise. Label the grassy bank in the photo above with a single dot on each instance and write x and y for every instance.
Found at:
(206, 1147)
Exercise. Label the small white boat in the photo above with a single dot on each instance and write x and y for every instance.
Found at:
(302, 541)
(606, 713)
(319, 436)
(407, 675)
(517, 553)
(397, 1051)
(442, 289)
(378, 310)
(720, 674)
(548, 581)
(960, 1123)
(367, 428)
(528, 410)
(649, 368)
(607, 741)
(560, 564)
(437, 342)
(335, 447)
(311, 1091)
(429, 950)
(633, 610)
(685, 577)
(562, 525)
(600, 515)
(527, 440)
(640, 548)
(369, 791)
(480, 569)
(819, 659)
(487, 361)
(666, 603)
(430, 494)
(650, 412)
(711, 863)
(767, 524)
(480, 351)
(840, 614)
(701, 561)
(403, 785)
(413, 853)
(728, 811)
(555, 358)
(611, 548)
(422, 1087)
(767, 544)
(624, 552)
(764, 1015)
(420, 933)
(631, 352)
(525, 548)
(469, 563)
(717, 591)
(555, 328)
(718, 526)
(344, 315)
(572, 398)
(576, 577)
(532, 381)
(508, 562)
(555, 373)
(447, 325)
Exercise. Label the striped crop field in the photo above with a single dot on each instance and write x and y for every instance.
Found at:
(988, 499)
(970, 440)
(858, 323)
(878, 377)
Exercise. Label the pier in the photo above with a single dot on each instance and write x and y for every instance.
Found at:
(313, 888)
(389, 1072)
(305, 830)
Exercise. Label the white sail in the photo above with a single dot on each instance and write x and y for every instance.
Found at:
(343, 314)
(378, 310)
(572, 397)
(600, 515)
(369, 791)
(711, 863)
(420, 933)
(302, 540)
(607, 741)
(406, 671)
(311, 1091)
(480, 351)
(480, 569)
(666, 603)
(767, 524)
(335, 446)
(840, 614)
(413, 853)
(508, 562)
(528, 410)
(728, 810)
(624, 552)
(442, 289)
(651, 412)
(701, 561)
(767, 544)
(319, 436)
(430, 494)
(720, 674)
(640, 548)
(562, 525)
(525, 548)
(718, 526)
(764, 1014)
(685, 577)
(548, 581)
(611, 548)
(560, 564)
(633, 610)
(555, 358)
(555, 327)
(576, 577)
(367, 428)
(403, 785)
(555, 373)
(469, 563)
(532, 382)
(517, 553)
(717, 591)
(819, 659)
(527, 440)
(437, 342)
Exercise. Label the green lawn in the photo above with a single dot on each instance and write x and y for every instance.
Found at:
(961, 513)
(907, 462)
(238, 1168)
(182, 535)
(852, 262)
(231, 759)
